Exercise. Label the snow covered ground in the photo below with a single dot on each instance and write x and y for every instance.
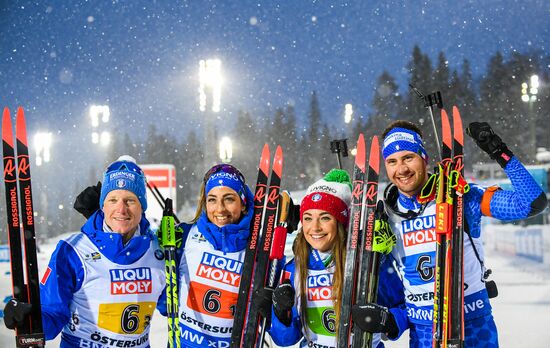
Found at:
(522, 309)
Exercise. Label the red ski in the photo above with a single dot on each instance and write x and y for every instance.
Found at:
(21, 227)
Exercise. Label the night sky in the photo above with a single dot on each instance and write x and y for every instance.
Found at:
(141, 57)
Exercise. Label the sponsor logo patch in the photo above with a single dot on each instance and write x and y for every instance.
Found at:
(419, 231)
(319, 287)
(220, 269)
(131, 281)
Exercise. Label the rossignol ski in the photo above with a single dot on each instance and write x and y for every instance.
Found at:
(256, 262)
(450, 186)
(261, 266)
(277, 252)
(20, 214)
(369, 259)
(168, 237)
(354, 238)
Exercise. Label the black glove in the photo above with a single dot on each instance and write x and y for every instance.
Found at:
(374, 318)
(283, 301)
(15, 313)
(489, 142)
(263, 301)
(87, 201)
(293, 216)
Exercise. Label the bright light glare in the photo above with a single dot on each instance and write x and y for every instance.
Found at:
(105, 138)
(529, 91)
(99, 110)
(42, 144)
(210, 81)
(535, 81)
(226, 149)
(348, 113)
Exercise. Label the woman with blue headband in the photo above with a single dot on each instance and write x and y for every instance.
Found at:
(103, 283)
(413, 223)
(213, 253)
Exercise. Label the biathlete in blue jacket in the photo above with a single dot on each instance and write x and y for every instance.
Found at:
(304, 307)
(102, 285)
(210, 254)
(414, 225)
(213, 250)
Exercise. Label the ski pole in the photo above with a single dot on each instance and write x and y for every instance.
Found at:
(159, 198)
(429, 101)
(277, 250)
(338, 146)
(168, 236)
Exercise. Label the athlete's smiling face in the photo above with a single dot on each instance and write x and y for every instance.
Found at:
(122, 211)
(320, 229)
(407, 171)
(223, 206)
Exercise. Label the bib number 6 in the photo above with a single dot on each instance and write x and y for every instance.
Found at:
(424, 268)
(211, 301)
(130, 319)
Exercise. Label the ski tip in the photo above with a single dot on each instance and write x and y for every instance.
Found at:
(457, 126)
(446, 128)
(360, 154)
(7, 132)
(374, 156)
(278, 161)
(264, 161)
(21, 128)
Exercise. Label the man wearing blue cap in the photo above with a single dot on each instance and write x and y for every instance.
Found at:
(413, 223)
(103, 284)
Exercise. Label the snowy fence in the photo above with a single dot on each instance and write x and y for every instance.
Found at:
(4, 253)
(532, 242)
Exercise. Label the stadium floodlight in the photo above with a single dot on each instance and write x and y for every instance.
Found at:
(42, 145)
(348, 113)
(210, 84)
(226, 149)
(530, 90)
(100, 115)
(529, 93)
(105, 138)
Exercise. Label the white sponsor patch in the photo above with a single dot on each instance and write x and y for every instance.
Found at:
(399, 136)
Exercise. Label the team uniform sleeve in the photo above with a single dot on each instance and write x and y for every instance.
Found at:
(63, 277)
(161, 303)
(401, 319)
(391, 294)
(281, 334)
(526, 198)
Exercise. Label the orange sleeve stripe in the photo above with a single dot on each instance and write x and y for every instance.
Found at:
(486, 200)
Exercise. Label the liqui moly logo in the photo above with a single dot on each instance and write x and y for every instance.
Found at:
(319, 287)
(419, 230)
(131, 281)
(220, 269)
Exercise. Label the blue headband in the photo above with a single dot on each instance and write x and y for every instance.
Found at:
(224, 178)
(124, 174)
(402, 139)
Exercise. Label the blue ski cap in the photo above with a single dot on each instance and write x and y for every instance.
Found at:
(124, 174)
(403, 139)
(225, 175)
